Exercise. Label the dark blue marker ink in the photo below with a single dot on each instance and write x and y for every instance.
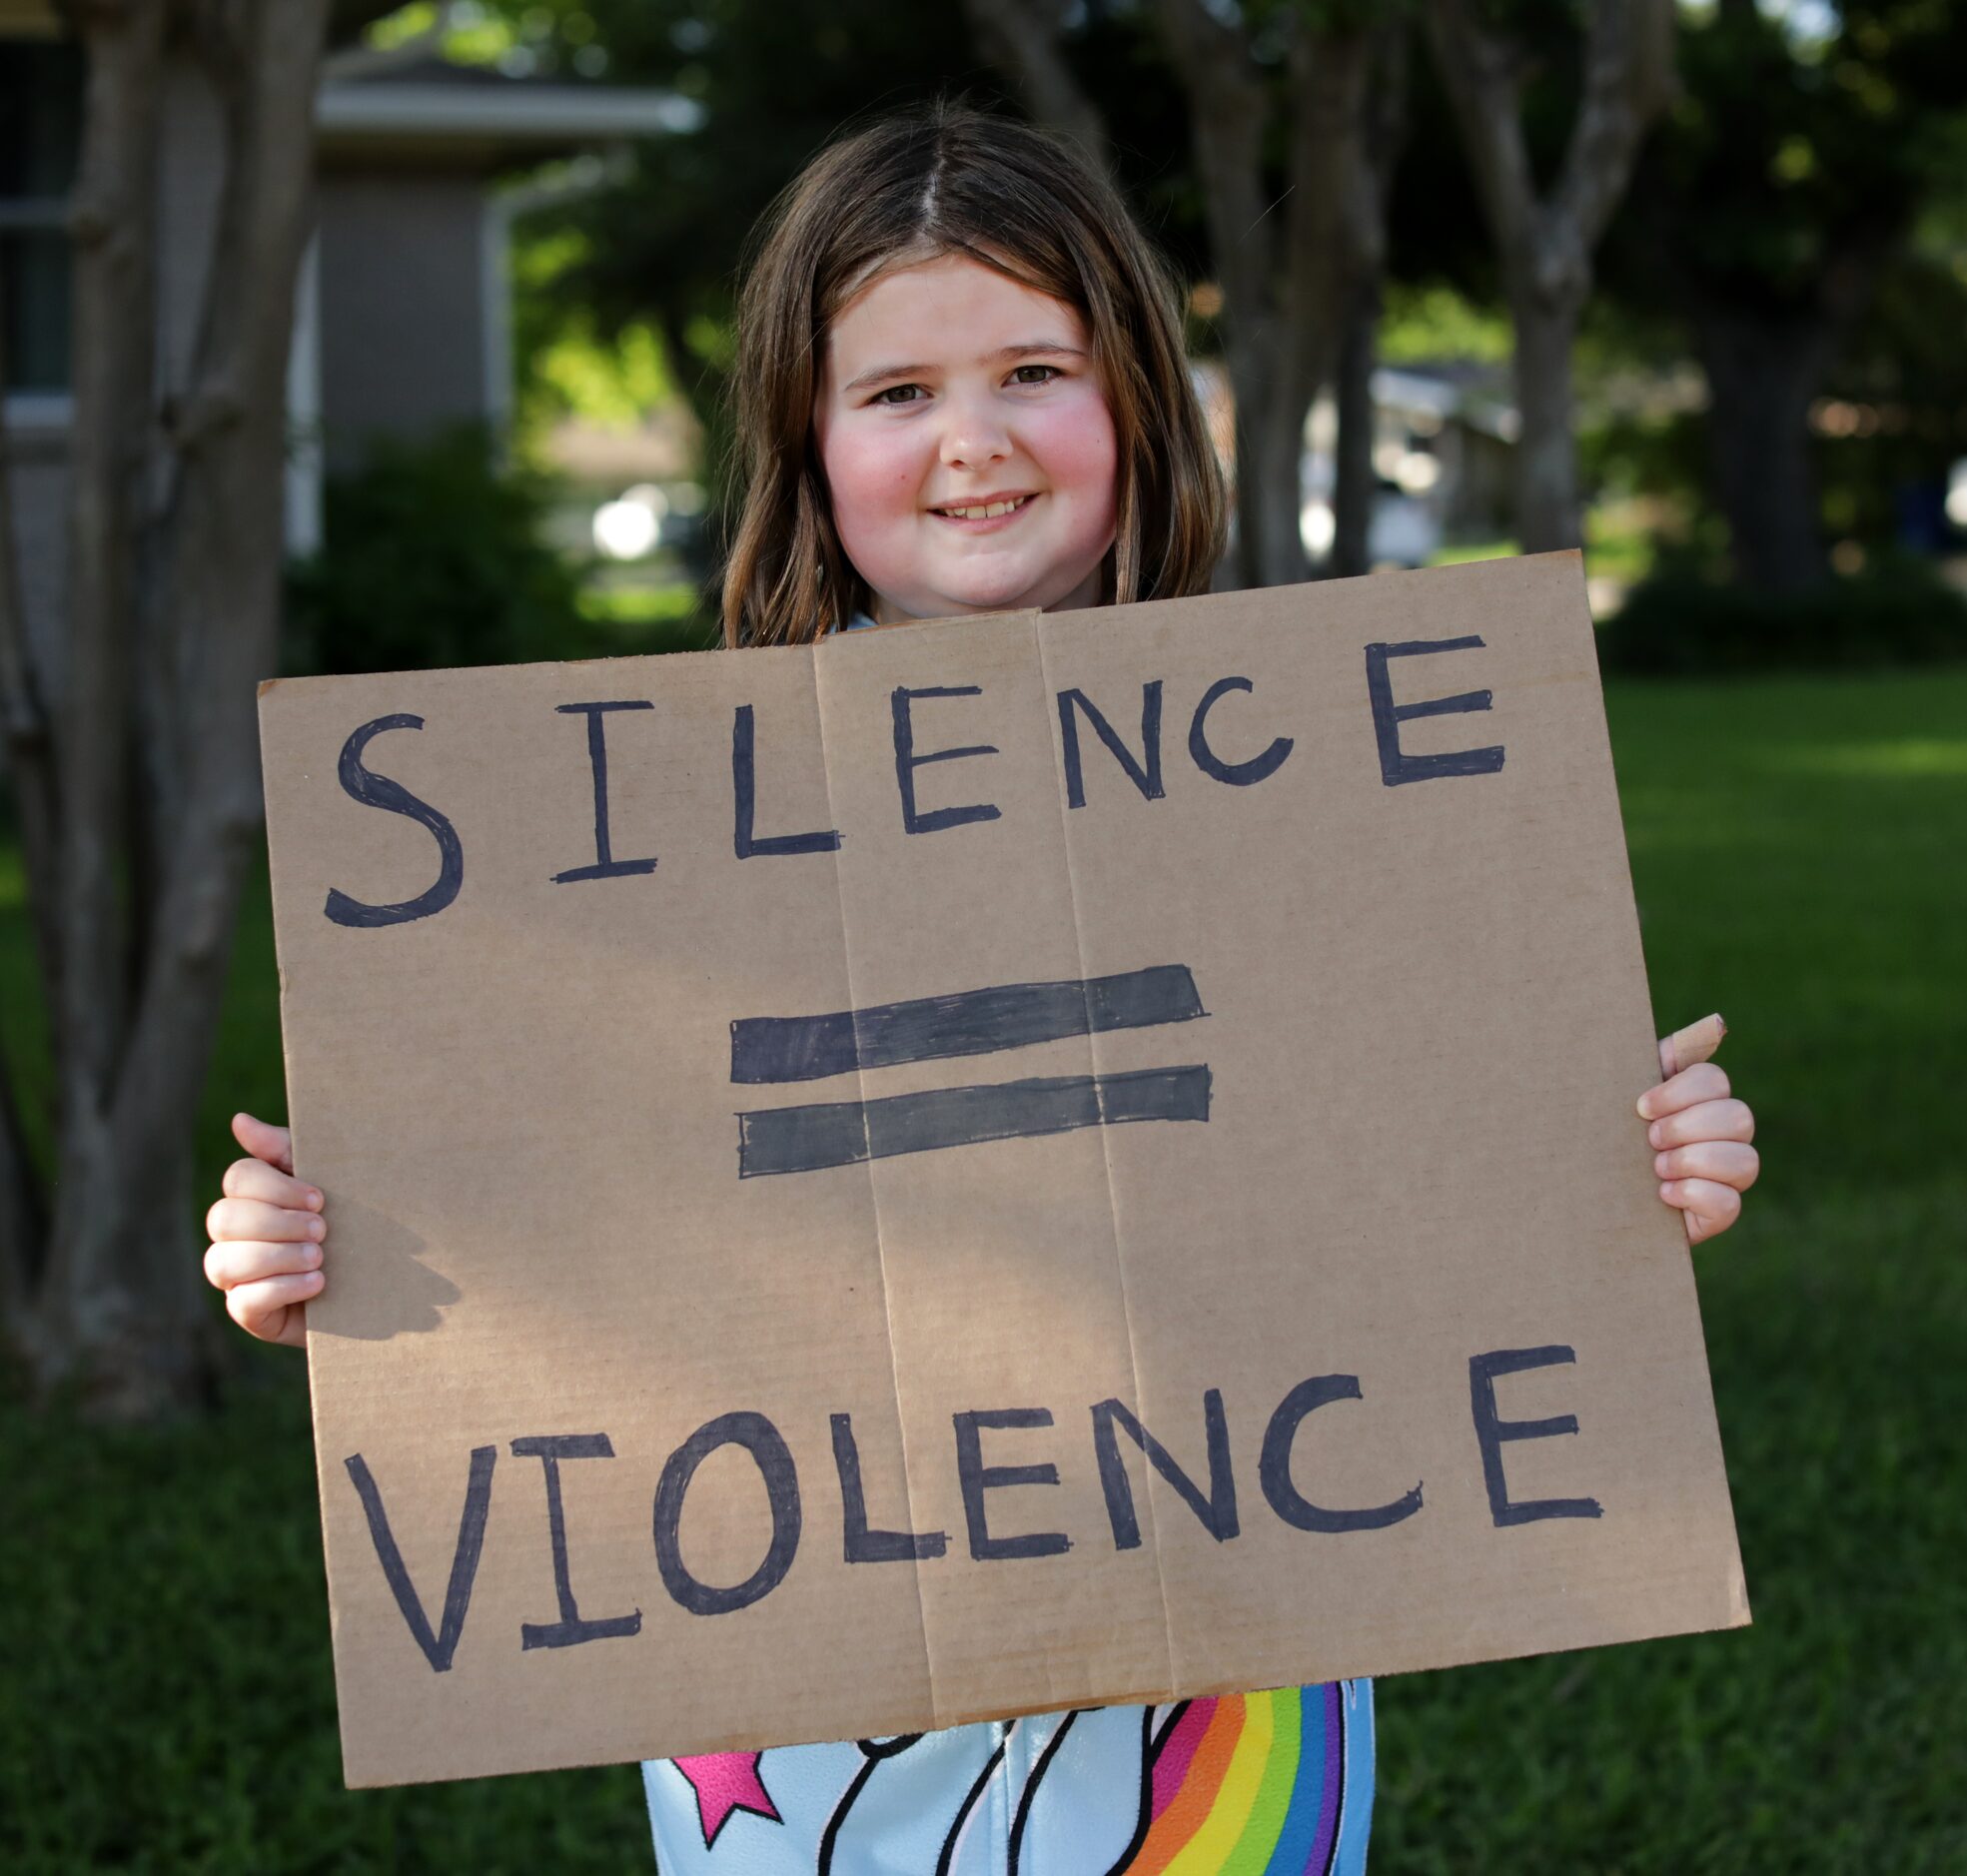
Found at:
(1491, 1432)
(759, 1437)
(976, 1479)
(1216, 1512)
(1396, 765)
(1237, 774)
(907, 763)
(744, 794)
(862, 1546)
(378, 791)
(1145, 774)
(845, 1133)
(573, 1627)
(964, 1022)
(605, 866)
(1273, 1468)
(438, 1648)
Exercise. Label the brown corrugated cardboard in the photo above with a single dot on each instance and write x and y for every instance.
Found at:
(979, 1168)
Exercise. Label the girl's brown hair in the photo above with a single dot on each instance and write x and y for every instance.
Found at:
(952, 180)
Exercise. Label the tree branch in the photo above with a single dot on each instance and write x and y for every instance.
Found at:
(1024, 39)
(1334, 232)
(1629, 81)
(224, 604)
(113, 223)
(1229, 108)
(1483, 76)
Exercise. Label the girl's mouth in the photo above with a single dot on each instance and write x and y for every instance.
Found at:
(982, 517)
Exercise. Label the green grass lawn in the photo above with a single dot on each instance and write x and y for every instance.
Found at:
(1801, 848)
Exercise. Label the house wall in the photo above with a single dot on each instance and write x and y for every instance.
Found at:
(189, 176)
(403, 334)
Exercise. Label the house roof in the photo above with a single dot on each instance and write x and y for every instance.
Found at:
(432, 113)
(410, 107)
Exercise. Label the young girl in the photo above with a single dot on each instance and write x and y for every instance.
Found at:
(962, 389)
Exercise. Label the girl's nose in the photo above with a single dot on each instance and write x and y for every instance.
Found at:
(973, 435)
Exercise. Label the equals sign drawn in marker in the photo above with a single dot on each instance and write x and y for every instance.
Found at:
(769, 1050)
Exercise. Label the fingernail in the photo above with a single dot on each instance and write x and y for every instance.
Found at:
(310, 1256)
(1656, 1135)
(310, 1280)
(1646, 1105)
(1666, 1191)
(314, 1198)
(317, 1228)
(1660, 1164)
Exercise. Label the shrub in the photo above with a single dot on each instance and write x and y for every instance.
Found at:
(1680, 621)
(435, 556)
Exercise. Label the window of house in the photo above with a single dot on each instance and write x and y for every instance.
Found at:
(40, 138)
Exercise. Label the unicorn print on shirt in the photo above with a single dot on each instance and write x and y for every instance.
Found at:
(1263, 1784)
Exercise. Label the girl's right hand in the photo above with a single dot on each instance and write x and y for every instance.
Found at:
(267, 1237)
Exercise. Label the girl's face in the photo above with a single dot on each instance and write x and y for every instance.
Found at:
(949, 389)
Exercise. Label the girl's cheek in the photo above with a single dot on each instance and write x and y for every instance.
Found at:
(1075, 444)
(870, 477)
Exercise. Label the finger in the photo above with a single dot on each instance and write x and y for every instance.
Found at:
(1711, 1207)
(1693, 1044)
(228, 1265)
(1702, 1082)
(248, 1218)
(255, 1179)
(1727, 1162)
(1706, 1119)
(269, 1309)
(265, 1141)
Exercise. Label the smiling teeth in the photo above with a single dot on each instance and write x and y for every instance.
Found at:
(987, 512)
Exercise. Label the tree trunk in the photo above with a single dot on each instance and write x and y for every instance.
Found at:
(21, 1220)
(1355, 482)
(1762, 375)
(1545, 240)
(1268, 547)
(24, 749)
(1024, 39)
(1548, 511)
(114, 225)
(119, 1315)
(1228, 105)
(1381, 136)
(1285, 262)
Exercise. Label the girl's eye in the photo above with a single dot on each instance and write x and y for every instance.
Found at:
(1047, 373)
(897, 394)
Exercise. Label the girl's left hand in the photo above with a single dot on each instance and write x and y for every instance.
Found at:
(1699, 1133)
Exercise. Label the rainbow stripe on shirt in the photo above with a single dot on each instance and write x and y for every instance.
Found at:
(1249, 1785)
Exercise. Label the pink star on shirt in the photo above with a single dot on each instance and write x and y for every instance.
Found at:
(725, 1782)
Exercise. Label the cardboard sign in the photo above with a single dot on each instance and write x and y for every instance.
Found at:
(993, 1165)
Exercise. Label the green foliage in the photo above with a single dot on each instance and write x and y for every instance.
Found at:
(1900, 387)
(168, 1700)
(1795, 849)
(568, 367)
(1680, 621)
(1424, 324)
(1783, 152)
(168, 1704)
(434, 557)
